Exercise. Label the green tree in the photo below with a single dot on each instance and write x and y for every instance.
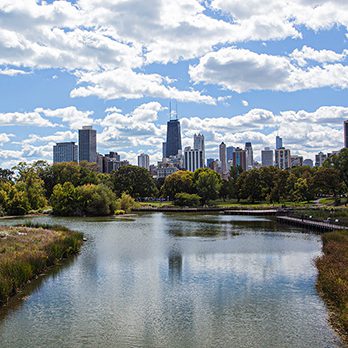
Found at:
(180, 181)
(64, 199)
(302, 190)
(187, 200)
(18, 203)
(249, 184)
(135, 181)
(207, 184)
(339, 162)
(328, 181)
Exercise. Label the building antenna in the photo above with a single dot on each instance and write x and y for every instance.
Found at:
(170, 109)
(176, 109)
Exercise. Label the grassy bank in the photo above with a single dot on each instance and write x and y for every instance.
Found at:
(333, 278)
(27, 250)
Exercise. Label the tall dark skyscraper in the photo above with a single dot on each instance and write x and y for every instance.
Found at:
(87, 144)
(346, 134)
(173, 143)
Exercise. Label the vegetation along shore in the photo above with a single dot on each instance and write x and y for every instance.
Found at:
(332, 281)
(28, 250)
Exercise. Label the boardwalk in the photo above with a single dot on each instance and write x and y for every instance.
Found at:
(253, 212)
(311, 224)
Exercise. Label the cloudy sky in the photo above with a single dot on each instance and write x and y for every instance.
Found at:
(240, 70)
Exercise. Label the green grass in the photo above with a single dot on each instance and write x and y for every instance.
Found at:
(27, 250)
(259, 205)
(333, 278)
(157, 204)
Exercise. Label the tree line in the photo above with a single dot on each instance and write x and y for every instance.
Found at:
(78, 189)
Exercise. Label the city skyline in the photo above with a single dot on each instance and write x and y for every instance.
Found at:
(237, 77)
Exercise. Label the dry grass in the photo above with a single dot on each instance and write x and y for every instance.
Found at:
(27, 251)
(333, 277)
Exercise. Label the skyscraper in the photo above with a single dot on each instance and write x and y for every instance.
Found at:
(193, 159)
(223, 158)
(198, 142)
(267, 157)
(320, 159)
(279, 142)
(230, 150)
(239, 158)
(282, 158)
(345, 133)
(173, 143)
(249, 155)
(144, 161)
(87, 144)
(65, 152)
(164, 150)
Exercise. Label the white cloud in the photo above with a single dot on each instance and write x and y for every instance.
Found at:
(306, 54)
(13, 72)
(24, 119)
(125, 83)
(71, 115)
(5, 138)
(245, 103)
(241, 70)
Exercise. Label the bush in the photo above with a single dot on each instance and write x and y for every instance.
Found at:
(126, 203)
(85, 200)
(187, 200)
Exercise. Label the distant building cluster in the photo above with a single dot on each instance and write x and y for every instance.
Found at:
(192, 158)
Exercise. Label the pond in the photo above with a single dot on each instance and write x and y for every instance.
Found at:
(176, 280)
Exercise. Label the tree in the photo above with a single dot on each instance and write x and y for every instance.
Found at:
(302, 191)
(328, 181)
(207, 184)
(339, 162)
(85, 200)
(187, 200)
(249, 184)
(135, 181)
(77, 174)
(180, 181)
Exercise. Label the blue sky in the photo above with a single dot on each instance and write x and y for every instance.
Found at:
(240, 70)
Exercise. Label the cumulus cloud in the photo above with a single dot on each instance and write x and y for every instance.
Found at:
(125, 83)
(242, 70)
(24, 119)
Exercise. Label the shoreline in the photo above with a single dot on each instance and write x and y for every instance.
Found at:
(28, 251)
(332, 280)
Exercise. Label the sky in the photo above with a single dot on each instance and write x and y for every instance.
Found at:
(239, 70)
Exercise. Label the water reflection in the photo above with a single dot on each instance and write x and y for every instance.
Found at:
(175, 265)
(141, 284)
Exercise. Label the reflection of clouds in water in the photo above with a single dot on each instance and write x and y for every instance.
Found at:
(256, 267)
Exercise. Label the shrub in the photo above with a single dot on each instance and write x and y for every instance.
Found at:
(126, 203)
(187, 200)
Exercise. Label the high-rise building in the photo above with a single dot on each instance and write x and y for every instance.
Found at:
(345, 125)
(173, 143)
(308, 162)
(239, 158)
(279, 142)
(223, 158)
(87, 144)
(282, 158)
(320, 159)
(209, 162)
(198, 142)
(229, 151)
(296, 161)
(267, 157)
(193, 159)
(249, 155)
(144, 161)
(65, 152)
(164, 150)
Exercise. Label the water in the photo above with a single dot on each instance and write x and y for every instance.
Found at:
(162, 280)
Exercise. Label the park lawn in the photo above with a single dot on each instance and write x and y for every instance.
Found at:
(26, 251)
(332, 280)
(259, 205)
(156, 204)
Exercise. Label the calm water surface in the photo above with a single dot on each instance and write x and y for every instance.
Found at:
(162, 280)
